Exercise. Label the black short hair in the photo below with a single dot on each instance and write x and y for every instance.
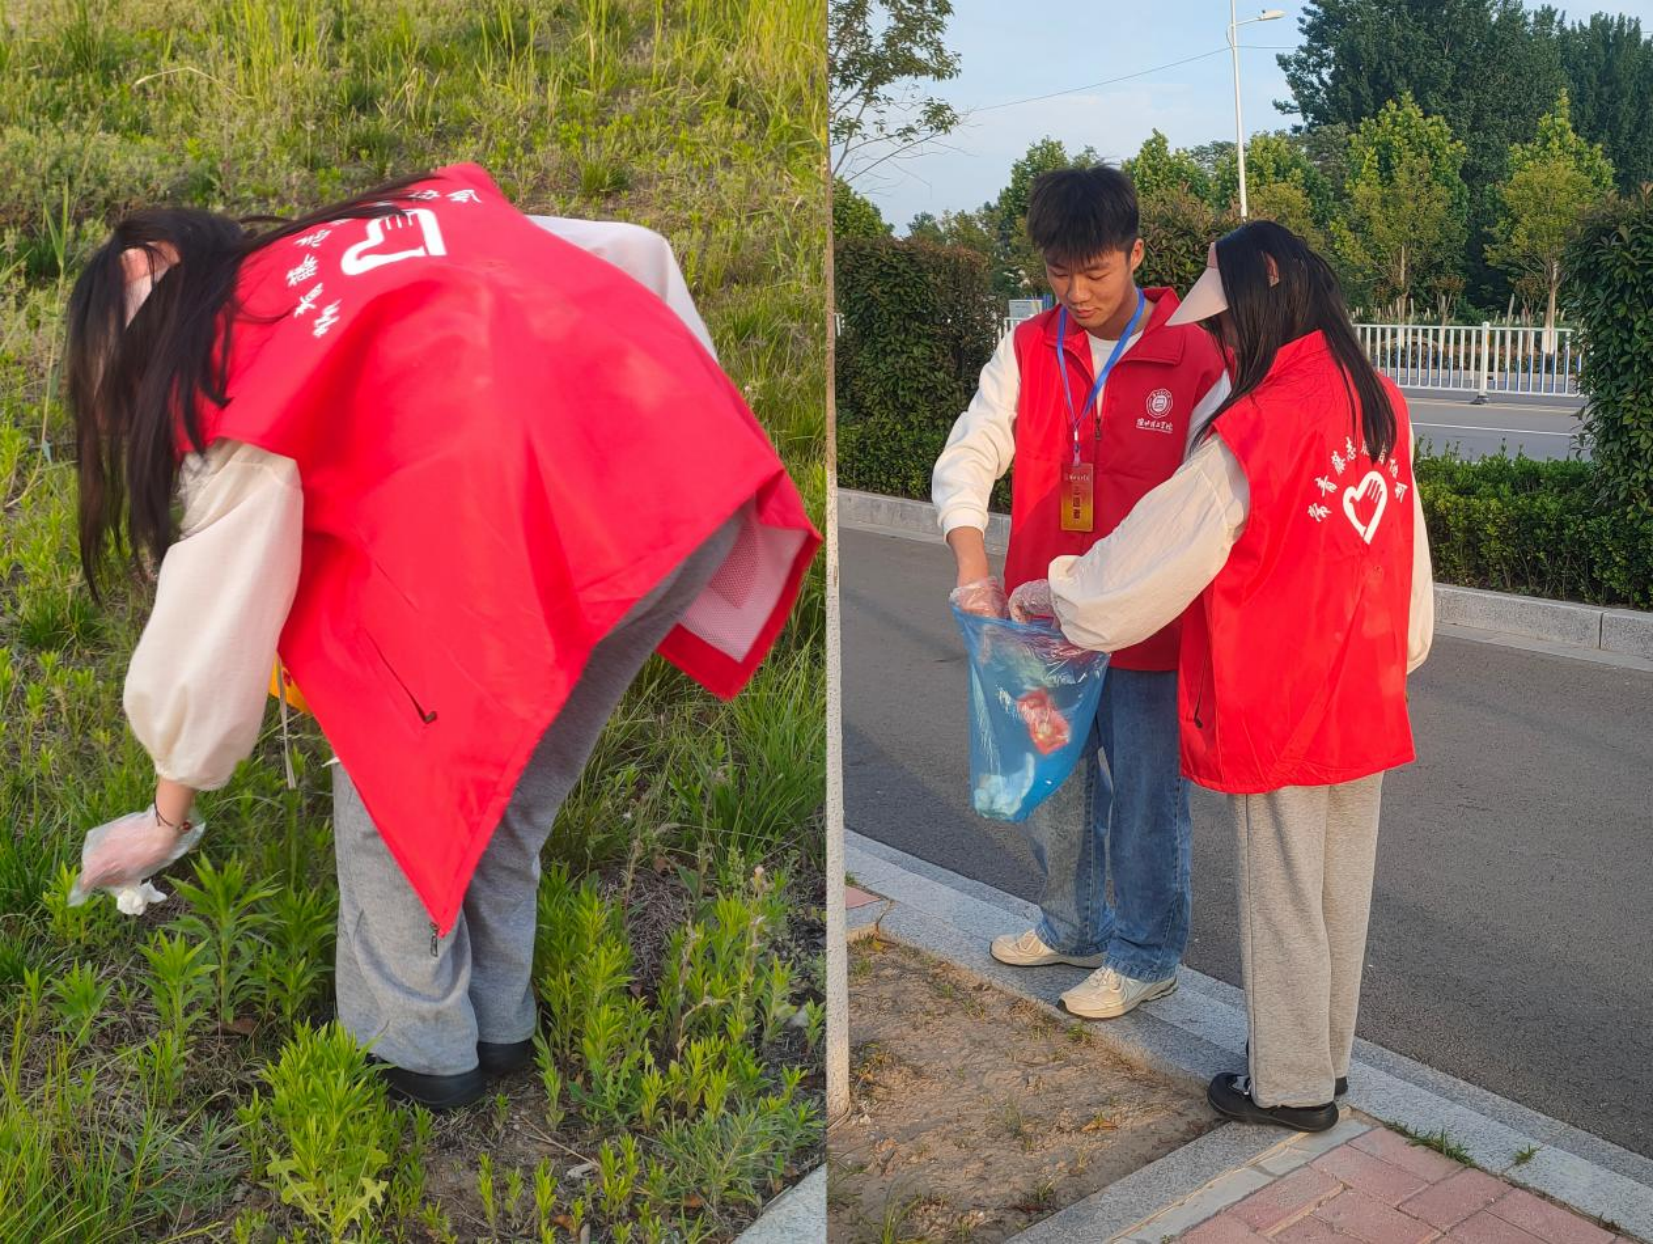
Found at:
(1075, 214)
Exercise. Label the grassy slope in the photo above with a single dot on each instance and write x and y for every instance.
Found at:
(124, 1105)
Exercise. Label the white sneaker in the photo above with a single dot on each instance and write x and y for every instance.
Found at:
(1107, 993)
(1028, 950)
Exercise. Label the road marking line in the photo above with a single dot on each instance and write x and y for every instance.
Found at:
(1516, 432)
(1506, 406)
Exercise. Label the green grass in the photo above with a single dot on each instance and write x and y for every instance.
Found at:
(176, 1076)
(1439, 1141)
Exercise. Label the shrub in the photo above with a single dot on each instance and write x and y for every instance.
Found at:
(1609, 291)
(1542, 528)
(919, 322)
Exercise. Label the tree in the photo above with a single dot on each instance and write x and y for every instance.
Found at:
(854, 215)
(1610, 296)
(967, 230)
(1178, 227)
(1282, 184)
(1405, 221)
(1288, 204)
(1609, 67)
(1326, 147)
(1553, 181)
(926, 228)
(877, 113)
(1156, 168)
(1212, 158)
(1488, 67)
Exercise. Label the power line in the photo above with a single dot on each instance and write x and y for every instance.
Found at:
(1141, 73)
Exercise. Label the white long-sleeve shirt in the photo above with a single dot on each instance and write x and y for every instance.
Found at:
(1145, 573)
(198, 679)
(982, 444)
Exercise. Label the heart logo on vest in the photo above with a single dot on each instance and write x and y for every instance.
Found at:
(363, 258)
(1373, 487)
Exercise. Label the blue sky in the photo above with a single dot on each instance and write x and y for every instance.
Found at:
(1013, 49)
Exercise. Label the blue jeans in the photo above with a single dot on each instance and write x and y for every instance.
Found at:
(1134, 822)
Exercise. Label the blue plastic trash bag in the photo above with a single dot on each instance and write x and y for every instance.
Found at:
(1033, 697)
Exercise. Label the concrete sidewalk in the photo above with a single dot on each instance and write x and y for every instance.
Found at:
(1532, 1178)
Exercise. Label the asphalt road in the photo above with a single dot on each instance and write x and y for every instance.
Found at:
(1509, 942)
(1539, 427)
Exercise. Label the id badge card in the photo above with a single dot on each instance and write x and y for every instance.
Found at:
(1078, 495)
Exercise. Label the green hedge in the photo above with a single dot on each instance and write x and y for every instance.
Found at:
(1539, 528)
(1511, 525)
(919, 321)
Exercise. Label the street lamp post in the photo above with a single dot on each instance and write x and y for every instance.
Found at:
(1234, 24)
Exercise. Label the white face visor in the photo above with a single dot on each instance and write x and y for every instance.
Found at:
(1205, 298)
(143, 269)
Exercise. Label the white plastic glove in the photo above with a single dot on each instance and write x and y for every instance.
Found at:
(119, 856)
(980, 596)
(1032, 601)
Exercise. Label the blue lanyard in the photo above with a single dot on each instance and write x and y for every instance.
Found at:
(1101, 377)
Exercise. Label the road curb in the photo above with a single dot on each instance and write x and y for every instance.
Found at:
(1199, 1167)
(1622, 633)
(796, 1217)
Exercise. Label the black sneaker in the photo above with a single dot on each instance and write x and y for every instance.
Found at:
(504, 1058)
(1340, 1089)
(439, 1093)
(1230, 1095)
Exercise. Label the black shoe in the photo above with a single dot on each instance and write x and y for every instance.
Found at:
(439, 1093)
(1340, 1089)
(1230, 1095)
(504, 1058)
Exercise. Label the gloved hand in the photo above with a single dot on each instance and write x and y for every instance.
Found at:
(120, 855)
(980, 596)
(1031, 601)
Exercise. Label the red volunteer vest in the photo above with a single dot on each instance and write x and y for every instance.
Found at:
(504, 443)
(1293, 665)
(1146, 405)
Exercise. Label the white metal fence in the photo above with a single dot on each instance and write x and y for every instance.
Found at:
(1479, 360)
(1482, 359)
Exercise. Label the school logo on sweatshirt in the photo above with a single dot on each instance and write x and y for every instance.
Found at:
(1159, 411)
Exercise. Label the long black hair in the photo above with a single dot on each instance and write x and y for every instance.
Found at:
(1278, 289)
(130, 386)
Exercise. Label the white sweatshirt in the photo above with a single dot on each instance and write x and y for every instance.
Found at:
(1142, 575)
(198, 679)
(982, 444)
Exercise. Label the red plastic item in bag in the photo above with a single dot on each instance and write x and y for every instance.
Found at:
(1045, 724)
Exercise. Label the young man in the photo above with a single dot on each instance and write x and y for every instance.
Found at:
(1095, 401)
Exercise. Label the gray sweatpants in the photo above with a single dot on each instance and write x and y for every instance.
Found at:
(1304, 858)
(423, 1003)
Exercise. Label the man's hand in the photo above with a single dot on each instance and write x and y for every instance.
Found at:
(981, 596)
(969, 548)
(978, 590)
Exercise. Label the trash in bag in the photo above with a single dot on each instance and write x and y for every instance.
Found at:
(121, 856)
(1033, 696)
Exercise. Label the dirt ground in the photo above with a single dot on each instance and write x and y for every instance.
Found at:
(976, 1114)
